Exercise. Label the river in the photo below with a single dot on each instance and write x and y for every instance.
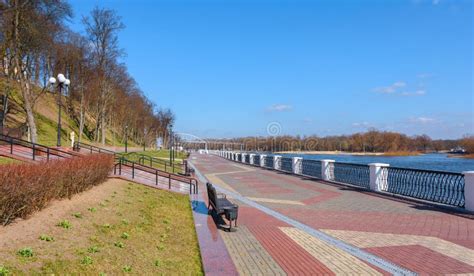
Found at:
(435, 161)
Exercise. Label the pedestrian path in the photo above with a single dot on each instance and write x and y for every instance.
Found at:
(296, 226)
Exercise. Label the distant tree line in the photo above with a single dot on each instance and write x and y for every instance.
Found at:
(370, 141)
(35, 44)
(468, 144)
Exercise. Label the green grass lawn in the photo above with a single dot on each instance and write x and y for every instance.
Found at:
(162, 155)
(6, 160)
(135, 230)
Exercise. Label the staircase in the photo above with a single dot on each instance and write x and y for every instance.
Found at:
(123, 168)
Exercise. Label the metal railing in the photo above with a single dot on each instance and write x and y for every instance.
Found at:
(437, 186)
(312, 168)
(247, 159)
(155, 173)
(269, 161)
(153, 161)
(256, 159)
(36, 152)
(355, 174)
(430, 185)
(122, 161)
(91, 148)
(286, 164)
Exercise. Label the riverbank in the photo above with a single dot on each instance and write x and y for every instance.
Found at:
(466, 156)
(401, 153)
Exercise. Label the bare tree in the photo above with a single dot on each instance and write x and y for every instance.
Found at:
(102, 27)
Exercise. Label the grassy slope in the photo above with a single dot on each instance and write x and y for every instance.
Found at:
(163, 154)
(6, 160)
(46, 113)
(160, 154)
(161, 238)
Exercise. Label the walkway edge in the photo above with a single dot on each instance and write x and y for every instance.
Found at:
(215, 257)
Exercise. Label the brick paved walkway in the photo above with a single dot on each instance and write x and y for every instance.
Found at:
(412, 236)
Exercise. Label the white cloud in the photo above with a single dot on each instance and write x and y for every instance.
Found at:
(415, 93)
(391, 88)
(397, 88)
(420, 92)
(422, 120)
(363, 124)
(424, 75)
(280, 107)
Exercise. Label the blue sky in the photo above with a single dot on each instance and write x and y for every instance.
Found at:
(234, 68)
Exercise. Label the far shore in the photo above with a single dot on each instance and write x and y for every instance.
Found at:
(352, 153)
(466, 156)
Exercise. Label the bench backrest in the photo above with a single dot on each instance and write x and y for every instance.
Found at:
(212, 195)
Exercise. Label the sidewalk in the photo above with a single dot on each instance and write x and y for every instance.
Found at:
(291, 225)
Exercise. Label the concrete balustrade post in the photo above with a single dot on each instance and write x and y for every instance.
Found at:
(252, 157)
(469, 190)
(244, 155)
(297, 165)
(262, 160)
(277, 162)
(327, 169)
(378, 176)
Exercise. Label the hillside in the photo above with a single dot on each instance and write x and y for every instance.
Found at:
(46, 114)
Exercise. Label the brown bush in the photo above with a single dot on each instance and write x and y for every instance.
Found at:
(27, 188)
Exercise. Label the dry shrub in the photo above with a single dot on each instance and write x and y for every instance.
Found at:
(27, 188)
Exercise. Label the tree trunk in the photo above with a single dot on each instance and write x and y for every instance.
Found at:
(23, 76)
(81, 115)
(103, 128)
(30, 118)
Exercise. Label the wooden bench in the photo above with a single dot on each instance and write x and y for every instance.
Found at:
(222, 205)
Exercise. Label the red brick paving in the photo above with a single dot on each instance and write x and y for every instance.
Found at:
(419, 258)
(291, 257)
(330, 206)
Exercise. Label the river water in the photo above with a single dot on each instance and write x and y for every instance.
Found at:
(436, 161)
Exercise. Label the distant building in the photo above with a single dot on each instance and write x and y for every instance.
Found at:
(458, 150)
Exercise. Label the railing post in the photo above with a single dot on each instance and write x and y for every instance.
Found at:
(297, 165)
(251, 159)
(120, 166)
(378, 176)
(133, 170)
(34, 152)
(169, 182)
(242, 159)
(156, 178)
(262, 160)
(277, 162)
(47, 154)
(327, 169)
(11, 145)
(469, 190)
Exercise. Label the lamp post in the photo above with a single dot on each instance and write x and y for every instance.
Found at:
(126, 138)
(63, 83)
(170, 133)
(144, 138)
